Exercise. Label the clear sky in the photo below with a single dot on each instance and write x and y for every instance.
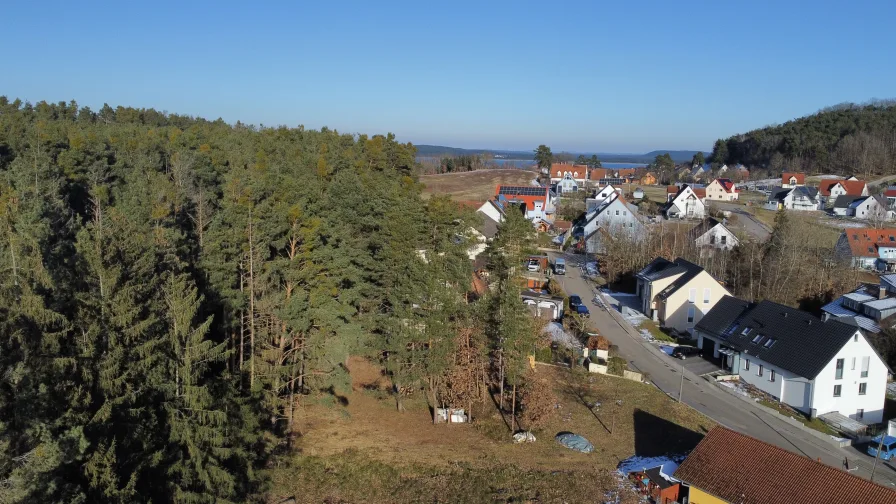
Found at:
(588, 75)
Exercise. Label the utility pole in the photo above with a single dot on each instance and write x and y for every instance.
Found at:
(681, 383)
(880, 445)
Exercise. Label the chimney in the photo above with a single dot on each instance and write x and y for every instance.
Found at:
(881, 290)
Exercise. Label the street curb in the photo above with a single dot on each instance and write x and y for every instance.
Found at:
(791, 421)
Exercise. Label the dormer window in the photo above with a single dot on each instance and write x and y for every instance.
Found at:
(757, 338)
(745, 331)
(769, 343)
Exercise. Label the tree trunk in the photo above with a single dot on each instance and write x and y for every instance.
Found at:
(501, 380)
(513, 410)
(251, 304)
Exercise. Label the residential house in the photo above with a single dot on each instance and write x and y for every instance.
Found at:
(791, 180)
(868, 248)
(872, 208)
(579, 173)
(842, 204)
(890, 195)
(711, 233)
(638, 194)
(535, 201)
(793, 198)
(867, 307)
(493, 210)
(567, 184)
(602, 194)
(702, 172)
(824, 191)
(728, 467)
(721, 189)
(824, 369)
(686, 204)
(677, 294)
(648, 179)
(723, 168)
(848, 187)
(607, 219)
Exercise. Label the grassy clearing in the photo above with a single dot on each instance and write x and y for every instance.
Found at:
(365, 451)
(474, 186)
(655, 331)
(813, 423)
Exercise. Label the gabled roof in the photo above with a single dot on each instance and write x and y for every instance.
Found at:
(864, 242)
(488, 228)
(779, 193)
(800, 177)
(699, 192)
(844, 200)
(738, 468)
(661, 268)
(558, 169)
(825, 186)
(809, 192)
(599, 173)
(671, 189)
(691, 270)
(858, 201)
(890, 193)
(801, 343)
(656, 477)
(853, 187)
(727, 185)
(704, 227)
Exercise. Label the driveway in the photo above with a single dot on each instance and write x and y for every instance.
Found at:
(666, 374)
(745, 220)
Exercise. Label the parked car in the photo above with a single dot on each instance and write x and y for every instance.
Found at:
(583, 310)
(560, 266)
(574, 302)
(533, 265)
(684, 351)
(887, 447)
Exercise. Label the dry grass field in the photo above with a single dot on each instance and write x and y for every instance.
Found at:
(366, 451)
(474, 186)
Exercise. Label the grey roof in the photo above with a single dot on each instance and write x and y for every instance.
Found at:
(802, 344)
(691, 270)
(882, 304)
(810, 192)
(779, 193)
(858, 201)
(660, 268)
(655, 477)
(488, 228)
(703, 227)
(859, 297)
(844, 200)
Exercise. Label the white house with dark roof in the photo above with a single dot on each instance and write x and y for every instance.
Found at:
(677, 293)
(822, 368)
(798, 197)
(608, 218)
(710, 233)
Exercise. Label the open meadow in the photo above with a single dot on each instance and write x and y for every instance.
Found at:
(475, 185)
(363, 450)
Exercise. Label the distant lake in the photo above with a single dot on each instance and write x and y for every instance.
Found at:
(528, 163)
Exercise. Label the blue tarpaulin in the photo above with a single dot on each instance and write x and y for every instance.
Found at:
(574, 442)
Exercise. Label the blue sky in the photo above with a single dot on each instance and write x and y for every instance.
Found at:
(603, 76)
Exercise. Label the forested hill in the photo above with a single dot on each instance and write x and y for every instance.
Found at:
(846, 138)
(172, 288)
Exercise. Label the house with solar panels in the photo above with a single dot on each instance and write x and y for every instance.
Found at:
(826, 369)
(534, 201)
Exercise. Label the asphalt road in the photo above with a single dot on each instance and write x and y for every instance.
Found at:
(666, 374)
(745, 220)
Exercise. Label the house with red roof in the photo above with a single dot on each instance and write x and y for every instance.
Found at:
(721, 189)
(868, 248)
(578, 173)
(534, 201)
(790, 180)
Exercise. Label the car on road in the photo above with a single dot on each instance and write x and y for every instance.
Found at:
(887, 447)
(684, 351)
(583, 311)
(559, 266)
(533, 265)
(574, 302)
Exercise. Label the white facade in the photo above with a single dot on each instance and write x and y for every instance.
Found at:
(686, 205)
(856, 391)
(488, 208)
(715, 191)
(614, 216)
(604, 193)
(839, 190)
(567, 184)
(719, 237)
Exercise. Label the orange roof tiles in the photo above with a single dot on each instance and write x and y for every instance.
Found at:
(738, 468)
(853, 187)
(558, 169)
(864, 242)
(598, 173)
(727, 185)
(800, 177)
(825, 186)
(671, 189)
(700, 192)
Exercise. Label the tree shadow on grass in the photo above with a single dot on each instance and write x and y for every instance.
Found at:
(655, 436)
(579, 392)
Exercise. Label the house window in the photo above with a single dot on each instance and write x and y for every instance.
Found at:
(706, 293)
(617, 212)
(761, 367)
(692, 296)
(837, 389)
(746, 364)
(724, 239)
(757, 338)
(863, 388)
(838, 374)
(853, 364)
(771, 378)
(855, 338)
(712, 240)
(860, 414)
(690, 314)
(769, 342)
(623, 213)
(745, 331)
(866, 362)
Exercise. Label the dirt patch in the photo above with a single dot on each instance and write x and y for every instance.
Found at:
(476, 185)
(367, 375)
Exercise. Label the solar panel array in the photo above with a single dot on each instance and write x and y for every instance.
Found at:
(522, 190)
